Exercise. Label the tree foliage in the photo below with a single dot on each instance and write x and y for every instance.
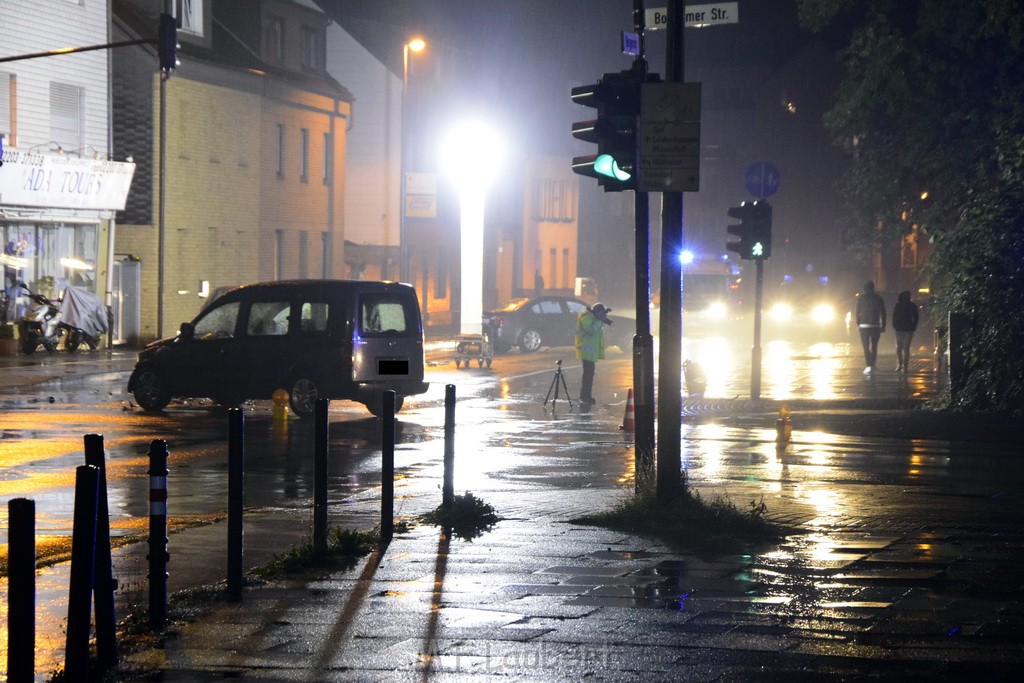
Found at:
(931, 112)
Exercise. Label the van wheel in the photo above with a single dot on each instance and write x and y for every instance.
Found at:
(151, 391)
(376, 405)
(302, 396)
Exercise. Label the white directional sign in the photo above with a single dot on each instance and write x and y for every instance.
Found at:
(696, 15)
(669, 148)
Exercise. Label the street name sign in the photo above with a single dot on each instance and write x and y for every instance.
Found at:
(697, 16)
(669, 145)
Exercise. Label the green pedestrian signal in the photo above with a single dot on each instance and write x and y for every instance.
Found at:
(616, 97)
(754, 230)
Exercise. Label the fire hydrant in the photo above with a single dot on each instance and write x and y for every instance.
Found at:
(280, 397)
(784, 425)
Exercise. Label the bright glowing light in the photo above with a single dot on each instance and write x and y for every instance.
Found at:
(686, 257)
(717, 311)
(416, 44)
(781, 312)
(16, 262)
(473, 154)
(823, 313)
(75, 264)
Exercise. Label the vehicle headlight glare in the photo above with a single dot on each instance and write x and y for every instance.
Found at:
(823, 313)
(716, 311)
(781, 312)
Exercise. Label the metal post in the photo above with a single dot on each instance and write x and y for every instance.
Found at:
(670, 361)
(158, 556)
(755, 352)
(643, 342)
(448, 489)
(104, 583)
(21, 590)
(387, 470)
(236, 497)
(320, 440)
(83, 561)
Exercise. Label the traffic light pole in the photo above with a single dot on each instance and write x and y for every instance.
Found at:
(643, 342)
(669, 478)
(755, 351)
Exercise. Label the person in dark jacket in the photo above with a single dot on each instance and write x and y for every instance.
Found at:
(871, 323)
(904, 324)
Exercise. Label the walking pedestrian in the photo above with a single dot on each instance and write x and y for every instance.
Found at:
(871, 323)
(538, 282)
(904, 324)
(590, 346)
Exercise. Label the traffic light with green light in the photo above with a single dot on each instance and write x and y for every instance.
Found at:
(616, 97)
(754, 230)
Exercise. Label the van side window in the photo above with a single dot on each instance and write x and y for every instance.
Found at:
(268, 318)
(314, 316)
(218, 323)
(382, 314)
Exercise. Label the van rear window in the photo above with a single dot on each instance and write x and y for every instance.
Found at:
(381, 314)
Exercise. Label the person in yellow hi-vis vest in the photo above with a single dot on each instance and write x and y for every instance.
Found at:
(590, 346)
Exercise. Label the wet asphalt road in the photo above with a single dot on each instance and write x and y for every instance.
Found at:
(951, 499)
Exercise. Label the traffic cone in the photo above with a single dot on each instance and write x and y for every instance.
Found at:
(628, 423)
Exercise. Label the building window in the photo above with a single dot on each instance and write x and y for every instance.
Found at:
(273, 39)
(304, 155)
(553, 266)
(66, 116)
(7, 116)
(278, 254)
(280, 150)
(190, 16)
(303, 254)
(325, 255)
(565, 266)
(328, 158)
(311, 47)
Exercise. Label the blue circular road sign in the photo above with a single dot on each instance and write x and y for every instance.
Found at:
(762, 179)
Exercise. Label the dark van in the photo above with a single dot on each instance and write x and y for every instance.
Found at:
(337, 339)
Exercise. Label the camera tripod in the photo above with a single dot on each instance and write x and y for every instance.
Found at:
(557, 381)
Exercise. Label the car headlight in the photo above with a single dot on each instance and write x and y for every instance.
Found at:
(716, 311)
(823, 313)
(781, 312)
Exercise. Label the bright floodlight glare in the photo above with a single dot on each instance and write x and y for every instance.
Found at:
(472, 155)
(416, 44)
(686, 257)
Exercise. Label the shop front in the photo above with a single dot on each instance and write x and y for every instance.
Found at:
(56, 224)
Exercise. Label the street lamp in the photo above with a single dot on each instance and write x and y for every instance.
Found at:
(414, 45)
(473, 154)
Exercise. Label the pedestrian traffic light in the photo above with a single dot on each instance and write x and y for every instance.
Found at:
(617, 100)
(754, 230)
(168, 43)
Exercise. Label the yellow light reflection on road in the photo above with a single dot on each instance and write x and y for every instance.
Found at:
(777, 370)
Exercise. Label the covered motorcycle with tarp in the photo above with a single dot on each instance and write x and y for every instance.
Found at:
(84, 317)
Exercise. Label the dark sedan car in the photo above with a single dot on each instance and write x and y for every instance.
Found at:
(531, 323)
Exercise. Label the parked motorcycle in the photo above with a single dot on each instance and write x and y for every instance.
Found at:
(84, 317)
(41, 324)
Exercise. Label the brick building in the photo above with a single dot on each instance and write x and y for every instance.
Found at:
(254, 154)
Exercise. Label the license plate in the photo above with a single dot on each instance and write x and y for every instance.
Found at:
(391, 366)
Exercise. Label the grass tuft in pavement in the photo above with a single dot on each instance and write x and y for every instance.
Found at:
(344, 548)
(689, 522)
(467, 518)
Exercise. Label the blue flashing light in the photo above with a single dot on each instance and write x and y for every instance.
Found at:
(686, 257)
